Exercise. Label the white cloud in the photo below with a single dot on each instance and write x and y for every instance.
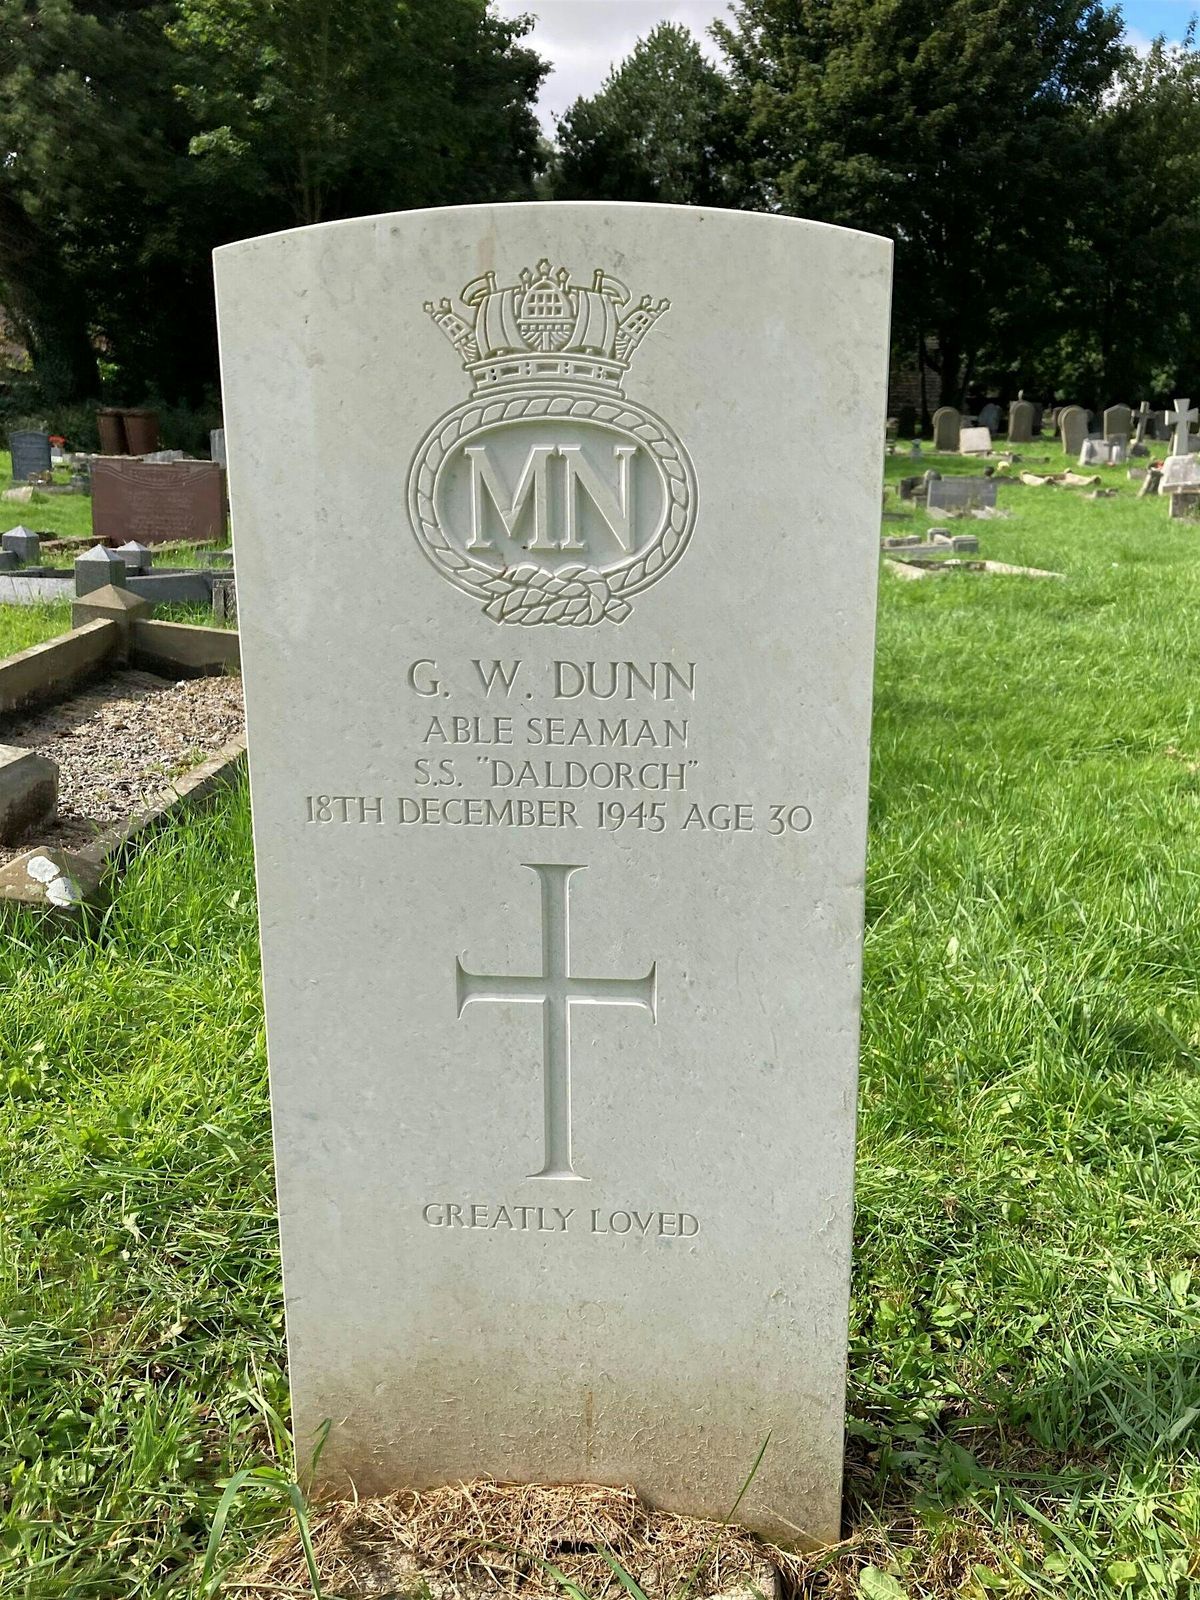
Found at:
(584, 39)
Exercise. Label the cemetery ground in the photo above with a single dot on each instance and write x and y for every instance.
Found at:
(1024, 1401)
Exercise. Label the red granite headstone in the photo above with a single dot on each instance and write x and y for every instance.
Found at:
(156, 502)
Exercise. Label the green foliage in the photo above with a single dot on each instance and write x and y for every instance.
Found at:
(1134, 235)
(653, 132)
(139, 134)
(322, 110)
(959, 130)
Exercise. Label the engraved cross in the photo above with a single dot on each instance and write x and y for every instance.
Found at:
(556, 990)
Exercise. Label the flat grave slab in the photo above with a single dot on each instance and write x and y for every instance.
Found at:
(958, 494)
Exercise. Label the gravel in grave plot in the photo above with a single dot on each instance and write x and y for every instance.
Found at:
(119, 742)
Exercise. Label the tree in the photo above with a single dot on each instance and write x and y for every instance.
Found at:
(324, 109)
(955, 128)
(139, 134)
(654, 131)
(1123, 308)
(86, 104)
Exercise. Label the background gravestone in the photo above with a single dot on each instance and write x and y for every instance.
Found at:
(1020, 422)
(156, 502)
(563, 1035)
(946, 423)
(1073, 428)
(957, 494)
(1118, 421)
(30, 453)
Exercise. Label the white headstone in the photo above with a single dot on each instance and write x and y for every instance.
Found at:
(974, 441)
(559, 827)
(1179, 472)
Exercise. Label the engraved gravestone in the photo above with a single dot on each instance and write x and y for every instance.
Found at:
(946, 424)
(1073, 428)
(1117, 422)
(559, 828)
(156, 502)
(1020, 421)
(30, 451)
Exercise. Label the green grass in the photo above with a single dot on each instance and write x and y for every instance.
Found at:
(61, 516)
(22, 626)
(1025, 1356)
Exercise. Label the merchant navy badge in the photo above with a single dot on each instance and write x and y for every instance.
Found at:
(548, 495)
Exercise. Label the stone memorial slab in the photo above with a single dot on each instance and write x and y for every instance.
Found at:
(946, 423)
(30, 453)
(1179, 472)
(1020, 421)
(1103, 452)
(974, 441)
(1073, 428)
(1118, 423)
(990, 417)
(157, 502)
(958, 494)
(559, 833)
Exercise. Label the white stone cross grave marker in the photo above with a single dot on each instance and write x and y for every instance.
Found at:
(1181, 419)
(563, 1198)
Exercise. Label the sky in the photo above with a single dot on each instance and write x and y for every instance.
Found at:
(585, 38)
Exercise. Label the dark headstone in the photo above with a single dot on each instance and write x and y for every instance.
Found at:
(156, 503)
(30, 453)
(960, 494)
(906, 422)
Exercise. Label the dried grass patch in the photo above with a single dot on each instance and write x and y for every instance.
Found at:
(485, 1539)
(490, 1538)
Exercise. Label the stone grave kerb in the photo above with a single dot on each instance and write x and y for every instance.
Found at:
(111, 604)
(137, 557)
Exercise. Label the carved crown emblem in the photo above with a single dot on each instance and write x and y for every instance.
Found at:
(544, 329)
(550, 495)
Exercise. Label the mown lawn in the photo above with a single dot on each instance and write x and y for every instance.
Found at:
(61, 516)
(1025, 1360)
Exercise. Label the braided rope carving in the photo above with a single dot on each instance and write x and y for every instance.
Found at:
(574, 596)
